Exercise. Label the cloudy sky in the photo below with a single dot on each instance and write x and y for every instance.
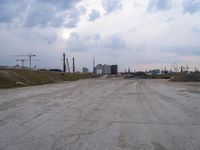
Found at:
(140, 34)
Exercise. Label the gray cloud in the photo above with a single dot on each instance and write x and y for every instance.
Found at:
(191, 6)
(60, 4)
(72, 18)
(170, 19)
(41, 13)
(159, 5)
(83, 43)
(183, 50)
(114, 42)
(54, 13)
(196, 28)
(95, 14)
(111, 5)
(95, 41)
(12, 10)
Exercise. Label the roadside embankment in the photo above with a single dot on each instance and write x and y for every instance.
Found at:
(187, 77)
(18, 78)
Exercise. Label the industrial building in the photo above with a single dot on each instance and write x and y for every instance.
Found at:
(85, 70)
(154, 72)
(114, 69)
(106, 69)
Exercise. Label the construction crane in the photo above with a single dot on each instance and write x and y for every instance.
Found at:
(22, 61)
(29, 57)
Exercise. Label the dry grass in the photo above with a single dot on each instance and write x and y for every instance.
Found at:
(187, 77)
(9, 77)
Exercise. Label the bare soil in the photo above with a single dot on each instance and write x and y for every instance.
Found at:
(101, 114)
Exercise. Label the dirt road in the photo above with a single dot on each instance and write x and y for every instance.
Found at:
(101, 114)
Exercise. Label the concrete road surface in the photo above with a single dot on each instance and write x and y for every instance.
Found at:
(101, 114)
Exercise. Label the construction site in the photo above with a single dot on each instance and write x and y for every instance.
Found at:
(101, 113)
(102, 109)
(99, 75)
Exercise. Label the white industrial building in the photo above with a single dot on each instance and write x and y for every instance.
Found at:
(104, 69)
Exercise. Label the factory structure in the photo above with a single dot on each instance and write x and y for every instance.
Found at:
(106, 69)
(85, 70)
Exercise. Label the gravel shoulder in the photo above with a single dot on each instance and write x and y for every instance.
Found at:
(101, 114)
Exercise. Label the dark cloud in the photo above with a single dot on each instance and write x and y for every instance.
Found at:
(60, 4)
(111, 5)
(95, 14)
(159, 5)
(72, 18)
(191, 6)
(95, 41)
(41, 13)
(11, 10)
(54, 13)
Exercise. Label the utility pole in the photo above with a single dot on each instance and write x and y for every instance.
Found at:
(64, 65)
(93, 64)
(73, 65)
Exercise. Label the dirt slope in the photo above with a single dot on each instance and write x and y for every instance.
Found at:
(187, 77)
(14, 78)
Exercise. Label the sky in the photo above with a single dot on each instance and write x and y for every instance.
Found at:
(140, 34)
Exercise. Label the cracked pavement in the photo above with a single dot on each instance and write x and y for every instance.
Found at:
(101, 114)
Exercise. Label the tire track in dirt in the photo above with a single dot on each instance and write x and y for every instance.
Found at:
(184, 108)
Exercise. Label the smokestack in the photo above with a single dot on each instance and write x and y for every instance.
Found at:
(64, 65)
(73, 65)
